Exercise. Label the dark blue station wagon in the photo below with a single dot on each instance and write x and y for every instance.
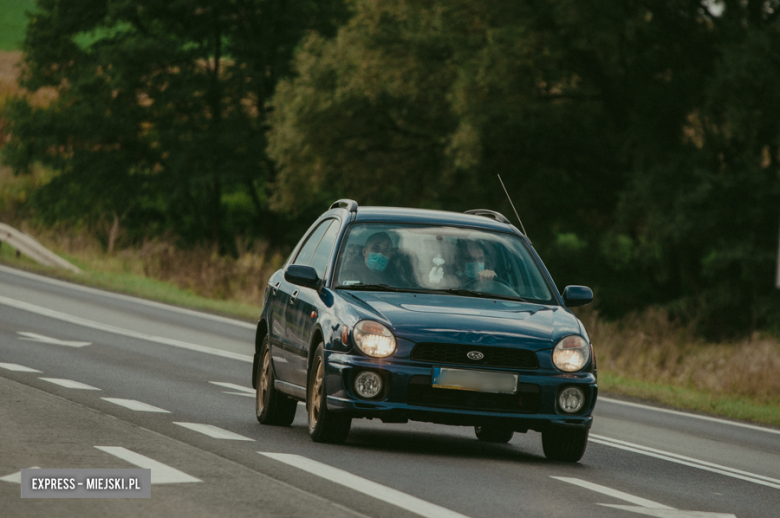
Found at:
(433, 316)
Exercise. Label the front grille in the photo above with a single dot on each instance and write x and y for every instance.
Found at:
(421, 393)
(456, 354)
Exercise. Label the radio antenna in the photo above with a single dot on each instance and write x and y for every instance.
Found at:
(512, 204)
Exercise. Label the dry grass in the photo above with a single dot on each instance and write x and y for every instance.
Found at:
(649, 347)
(199, 270)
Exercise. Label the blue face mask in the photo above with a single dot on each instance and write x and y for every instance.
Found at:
(472, 269)
(377, 262)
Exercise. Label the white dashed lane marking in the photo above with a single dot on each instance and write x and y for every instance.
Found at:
(244, 391)
(33, 337)
(15, 478)
(233, 386)
(132, 404)
(17, 368)
(161, 473)
(641, 505)
(367, 487)
(614, 493)
(70, 384)
(213, 431)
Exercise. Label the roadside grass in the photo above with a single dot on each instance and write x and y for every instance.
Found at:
(197, 278)
(740, 408)
(133, 284)
(650, 356)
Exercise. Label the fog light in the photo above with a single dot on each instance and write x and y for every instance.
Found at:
(571, 400)
(368, 384)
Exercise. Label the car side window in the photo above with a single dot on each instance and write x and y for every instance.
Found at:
(307, 251)
(319, 260)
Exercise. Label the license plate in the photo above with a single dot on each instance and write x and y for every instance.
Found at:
(477, 381)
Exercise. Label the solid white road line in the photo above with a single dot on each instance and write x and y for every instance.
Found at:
(15, 478)
(213, 431)
(687, 461)
(16, 367)
(161, 473)
(614, 493)
(233, 386)
(69, 384)
(132, 404)
(34, 337)
(378, 491)
(669, 513)
(128, 298)
(695, 416)
(119, 331)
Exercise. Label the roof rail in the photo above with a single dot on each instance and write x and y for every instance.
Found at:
(490, 214)
(350, 205)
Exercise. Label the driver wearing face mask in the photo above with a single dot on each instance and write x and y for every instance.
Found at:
(473, 265)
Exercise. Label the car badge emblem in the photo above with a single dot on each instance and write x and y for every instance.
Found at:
(475, 355)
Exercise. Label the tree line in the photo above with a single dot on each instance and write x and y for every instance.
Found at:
(640, 140)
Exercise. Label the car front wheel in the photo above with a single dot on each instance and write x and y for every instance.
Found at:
(564, 444)
(271, 406)
(324, 426)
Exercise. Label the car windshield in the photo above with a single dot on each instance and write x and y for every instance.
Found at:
(462, 261)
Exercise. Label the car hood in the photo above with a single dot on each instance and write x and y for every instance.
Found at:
(468, 320)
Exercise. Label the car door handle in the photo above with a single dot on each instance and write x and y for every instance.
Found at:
(276, 287)
(294, 297)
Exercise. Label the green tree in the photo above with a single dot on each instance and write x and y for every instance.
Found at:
(604, 117)
(706, 218)
(161, 112)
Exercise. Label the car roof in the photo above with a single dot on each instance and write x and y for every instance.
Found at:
(426, 216)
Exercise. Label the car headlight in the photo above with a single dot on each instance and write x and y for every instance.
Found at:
(374, 339)
(571, 353)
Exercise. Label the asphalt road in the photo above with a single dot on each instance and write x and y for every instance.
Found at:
(172, 387)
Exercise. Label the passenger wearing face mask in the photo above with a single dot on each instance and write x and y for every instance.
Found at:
(472, 265)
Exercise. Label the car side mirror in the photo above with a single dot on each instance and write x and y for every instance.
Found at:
(301, 275)
(574, 296)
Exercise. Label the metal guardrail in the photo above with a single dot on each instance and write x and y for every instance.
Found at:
(33, 249)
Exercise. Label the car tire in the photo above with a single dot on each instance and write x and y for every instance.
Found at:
(324, 425)
(564, 444)
(493, 434)
(271, 406)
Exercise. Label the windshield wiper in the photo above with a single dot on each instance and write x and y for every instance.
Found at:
(481, 294)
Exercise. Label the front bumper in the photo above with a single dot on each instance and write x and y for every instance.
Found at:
(405, 380)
